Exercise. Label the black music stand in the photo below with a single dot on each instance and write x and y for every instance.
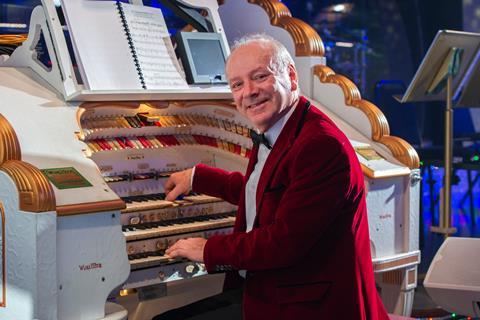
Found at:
(443, 73)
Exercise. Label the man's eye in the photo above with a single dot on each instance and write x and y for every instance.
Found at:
(260, 76)
(235, 85)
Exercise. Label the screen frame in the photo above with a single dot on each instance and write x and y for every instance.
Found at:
(184, 52)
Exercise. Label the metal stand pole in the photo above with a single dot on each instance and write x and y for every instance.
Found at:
(445, 214)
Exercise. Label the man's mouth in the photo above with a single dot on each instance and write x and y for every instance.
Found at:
(255, 105)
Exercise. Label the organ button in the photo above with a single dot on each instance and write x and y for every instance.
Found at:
(135, 220)
(191, 269)
(161, 245)
(161, 275)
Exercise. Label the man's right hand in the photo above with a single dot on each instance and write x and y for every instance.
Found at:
(178, 183)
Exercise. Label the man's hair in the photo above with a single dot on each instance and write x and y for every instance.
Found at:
(280, 59)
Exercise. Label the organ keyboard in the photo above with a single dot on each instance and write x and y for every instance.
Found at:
(151, 252)
(177, 226)
(138, 148)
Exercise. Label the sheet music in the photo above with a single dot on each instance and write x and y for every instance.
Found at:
(100, 46)
(153, 47)
(102, 49)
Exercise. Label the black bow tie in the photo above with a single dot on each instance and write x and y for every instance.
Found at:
(259, 138)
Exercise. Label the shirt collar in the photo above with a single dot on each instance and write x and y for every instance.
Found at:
(273, 133)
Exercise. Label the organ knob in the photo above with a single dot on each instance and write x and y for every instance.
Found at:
(161, 275)
(161, 245)
(191, 269)
(135, 220)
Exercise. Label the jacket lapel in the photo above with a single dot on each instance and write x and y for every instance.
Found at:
(282, 145)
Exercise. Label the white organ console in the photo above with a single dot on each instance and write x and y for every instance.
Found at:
(84, 219)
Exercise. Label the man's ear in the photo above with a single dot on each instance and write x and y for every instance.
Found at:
(292, 74)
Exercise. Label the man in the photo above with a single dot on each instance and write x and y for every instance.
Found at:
(301, 231)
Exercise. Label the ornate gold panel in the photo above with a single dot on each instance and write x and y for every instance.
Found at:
(400, 149)
(306, 39)
(35, 192)
(15, 39)
(9, 145)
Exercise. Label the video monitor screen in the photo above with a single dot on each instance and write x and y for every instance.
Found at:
(203, 57)
(207, 56)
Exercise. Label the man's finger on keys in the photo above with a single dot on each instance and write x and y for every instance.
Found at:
(170, 251)
(177, 252)
(174, 246)
(172, 254)
(172, 194)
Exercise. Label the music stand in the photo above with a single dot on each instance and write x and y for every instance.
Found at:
(440, 75)
(469, 94)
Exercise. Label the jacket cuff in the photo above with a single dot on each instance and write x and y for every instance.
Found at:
(215, 259)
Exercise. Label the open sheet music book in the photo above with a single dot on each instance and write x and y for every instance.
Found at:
(120, 46)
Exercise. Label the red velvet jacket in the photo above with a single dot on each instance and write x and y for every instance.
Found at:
(308, 255)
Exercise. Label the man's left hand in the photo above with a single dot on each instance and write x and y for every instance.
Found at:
(191, 248)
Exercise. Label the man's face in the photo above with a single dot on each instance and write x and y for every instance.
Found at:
(257, 91)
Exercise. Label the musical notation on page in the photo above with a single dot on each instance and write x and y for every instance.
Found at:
(153, 47)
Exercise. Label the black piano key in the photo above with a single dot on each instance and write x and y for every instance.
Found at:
(127, 199)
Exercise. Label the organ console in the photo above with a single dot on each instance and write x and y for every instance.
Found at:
(84, 220)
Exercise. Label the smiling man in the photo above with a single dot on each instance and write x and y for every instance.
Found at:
(301, 231)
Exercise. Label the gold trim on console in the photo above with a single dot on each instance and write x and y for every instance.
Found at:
(400, 149)
(35, 192)
(124, 104)
(13, 39)
(412, 277)
(376, 174)
(193, 103)
(306, 39)
(90, 207)
(394, 277)
(388, 265)
(9, 145)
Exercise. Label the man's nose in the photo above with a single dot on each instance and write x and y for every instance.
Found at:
(250, 89)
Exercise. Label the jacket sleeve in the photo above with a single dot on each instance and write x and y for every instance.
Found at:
(320, 190)
(218, 183)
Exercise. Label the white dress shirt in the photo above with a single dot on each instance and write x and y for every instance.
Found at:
(252, 183)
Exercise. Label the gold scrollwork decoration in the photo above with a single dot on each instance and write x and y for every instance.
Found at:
(400, 149)
(35, 192)
(307, 41)
(9, 145)
(13, 39)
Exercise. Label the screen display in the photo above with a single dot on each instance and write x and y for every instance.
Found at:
(207, 56)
